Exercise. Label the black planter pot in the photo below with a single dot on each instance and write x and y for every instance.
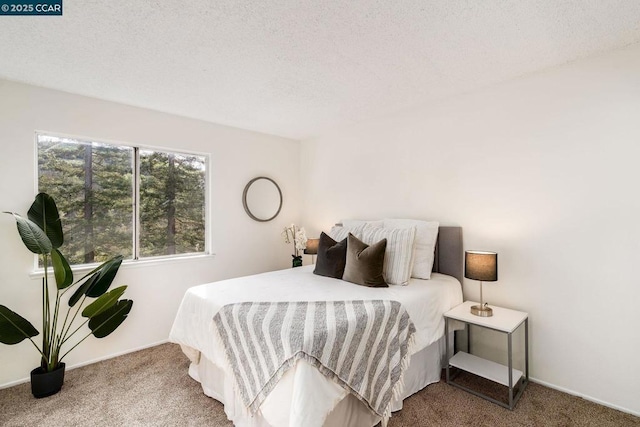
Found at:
(45, 384)
(297, 261)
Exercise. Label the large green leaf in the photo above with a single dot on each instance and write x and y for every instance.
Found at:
(33, 237)
(44, 212)
(99, 282)
(14, 328)
(103, 303)
(61, 270)
(82, 289)
(97, 269)
(107, 321)
(105, 278)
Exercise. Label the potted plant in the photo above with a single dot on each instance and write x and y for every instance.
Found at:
(297, 236)
(41, 232)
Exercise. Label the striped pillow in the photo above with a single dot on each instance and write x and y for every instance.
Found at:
(339, 232)
(426, 237)
(398, 257)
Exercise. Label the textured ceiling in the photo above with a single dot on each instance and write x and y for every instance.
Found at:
(299, 68)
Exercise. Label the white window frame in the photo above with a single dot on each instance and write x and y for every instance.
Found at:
(136, 260)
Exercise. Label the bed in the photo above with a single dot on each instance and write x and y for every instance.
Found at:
(303, 395)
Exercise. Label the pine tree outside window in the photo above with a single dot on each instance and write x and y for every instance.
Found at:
(134, 201)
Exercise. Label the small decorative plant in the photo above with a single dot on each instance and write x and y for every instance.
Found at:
(41, 232)
(297, 236)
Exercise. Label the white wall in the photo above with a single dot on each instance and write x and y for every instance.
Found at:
(242, 246)
(543, 170)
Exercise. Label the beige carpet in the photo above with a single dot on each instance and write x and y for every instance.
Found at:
(152, 388)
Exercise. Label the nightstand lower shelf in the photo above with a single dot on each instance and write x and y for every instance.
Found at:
(484, 368)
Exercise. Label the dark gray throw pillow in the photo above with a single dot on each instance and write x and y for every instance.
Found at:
(331, 257)
(365, 263)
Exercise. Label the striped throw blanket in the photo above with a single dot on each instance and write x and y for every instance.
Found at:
(361, 345)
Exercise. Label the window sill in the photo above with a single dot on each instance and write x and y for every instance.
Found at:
(127, 264)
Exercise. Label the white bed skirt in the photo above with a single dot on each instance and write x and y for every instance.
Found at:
(323, 404)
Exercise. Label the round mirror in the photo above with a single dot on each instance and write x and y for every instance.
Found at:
(262, 199)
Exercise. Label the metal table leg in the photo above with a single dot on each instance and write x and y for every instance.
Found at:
(510, 366)
(446, 339)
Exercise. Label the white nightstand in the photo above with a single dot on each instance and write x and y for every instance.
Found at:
(505, 321)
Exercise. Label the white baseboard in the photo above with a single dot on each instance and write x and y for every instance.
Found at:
(89, 362)
(584, 396)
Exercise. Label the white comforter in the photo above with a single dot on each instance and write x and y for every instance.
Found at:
(425, 301)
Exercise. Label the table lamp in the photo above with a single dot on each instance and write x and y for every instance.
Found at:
(482, 266)
(312, 248)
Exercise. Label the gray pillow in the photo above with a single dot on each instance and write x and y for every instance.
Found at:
(332, 256)
(365, 263)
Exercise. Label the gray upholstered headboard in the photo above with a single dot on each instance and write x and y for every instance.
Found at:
(449, 252)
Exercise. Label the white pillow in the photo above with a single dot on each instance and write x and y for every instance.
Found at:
(339, 233)
(356, 222)
(398, 257)
(426, 237)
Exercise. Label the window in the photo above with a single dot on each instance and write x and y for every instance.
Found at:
(116, 199)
